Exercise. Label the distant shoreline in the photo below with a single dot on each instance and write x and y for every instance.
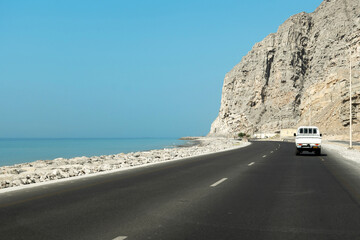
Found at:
(190, 138)
(189, 142)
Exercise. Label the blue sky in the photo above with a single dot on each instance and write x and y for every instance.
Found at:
(124, 68)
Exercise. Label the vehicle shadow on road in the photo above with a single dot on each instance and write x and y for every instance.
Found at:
(311, 155)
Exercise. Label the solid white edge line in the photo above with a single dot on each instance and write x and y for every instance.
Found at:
(251, 163)
(120, 238)
(218, 182)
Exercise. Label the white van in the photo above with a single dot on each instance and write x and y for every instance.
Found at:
(308, 138)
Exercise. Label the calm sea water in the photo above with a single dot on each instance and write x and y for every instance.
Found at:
(14, 151)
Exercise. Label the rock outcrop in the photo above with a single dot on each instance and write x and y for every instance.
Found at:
(299, 75)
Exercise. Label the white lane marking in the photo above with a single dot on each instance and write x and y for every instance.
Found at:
(218, 182)
(271, 151)
(120, 238)
(264, 156)
(251, 163)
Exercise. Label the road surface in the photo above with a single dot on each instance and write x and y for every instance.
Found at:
(262, 191)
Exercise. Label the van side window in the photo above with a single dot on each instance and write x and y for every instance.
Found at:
(305, 130)
(301, 130)
(310, 130)
(314, 131)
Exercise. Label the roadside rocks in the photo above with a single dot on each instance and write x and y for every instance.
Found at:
(59, 168)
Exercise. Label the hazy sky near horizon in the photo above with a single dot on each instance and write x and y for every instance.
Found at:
(119, 68)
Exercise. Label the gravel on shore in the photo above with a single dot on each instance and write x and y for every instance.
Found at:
(61, 168)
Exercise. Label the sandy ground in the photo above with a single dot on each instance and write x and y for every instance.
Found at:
(343, 150)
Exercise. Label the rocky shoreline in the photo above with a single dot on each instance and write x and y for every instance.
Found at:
(60, 168)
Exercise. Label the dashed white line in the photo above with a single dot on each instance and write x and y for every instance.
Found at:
(271, 151)
(251, 163)
(264, 156)
(120, 238)
(218, 182)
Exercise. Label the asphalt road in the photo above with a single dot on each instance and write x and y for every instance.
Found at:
(262, 191)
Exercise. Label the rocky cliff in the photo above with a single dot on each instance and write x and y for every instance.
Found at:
(298, 75)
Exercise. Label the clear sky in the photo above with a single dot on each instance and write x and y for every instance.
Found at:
(124, 68)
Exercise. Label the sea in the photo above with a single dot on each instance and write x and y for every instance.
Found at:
(15, 151)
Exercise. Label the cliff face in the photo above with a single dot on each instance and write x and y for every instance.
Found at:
(299, 75)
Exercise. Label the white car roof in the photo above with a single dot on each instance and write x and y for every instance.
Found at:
(307, 127)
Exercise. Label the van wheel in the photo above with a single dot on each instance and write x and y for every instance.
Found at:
(297, 152)
(318, 152)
